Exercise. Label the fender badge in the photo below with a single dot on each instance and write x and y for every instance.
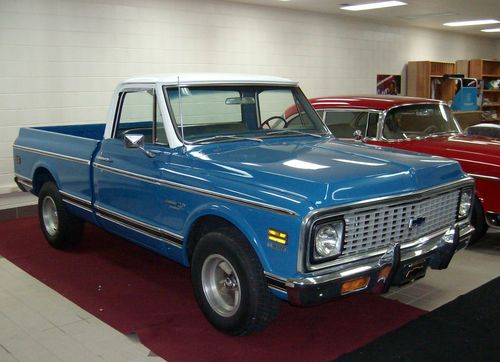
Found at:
(276, 246)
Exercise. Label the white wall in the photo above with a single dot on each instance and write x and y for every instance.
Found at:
(60, 59)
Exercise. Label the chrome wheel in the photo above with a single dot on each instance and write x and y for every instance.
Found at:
(49, 215)
(221, 285)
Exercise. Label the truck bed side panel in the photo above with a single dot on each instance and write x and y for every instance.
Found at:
(66, 157)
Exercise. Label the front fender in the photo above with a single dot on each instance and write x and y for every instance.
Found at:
(233, 216)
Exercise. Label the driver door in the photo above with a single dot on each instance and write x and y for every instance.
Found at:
(128, 201)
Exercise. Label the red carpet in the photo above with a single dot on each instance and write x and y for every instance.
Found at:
(135, 290)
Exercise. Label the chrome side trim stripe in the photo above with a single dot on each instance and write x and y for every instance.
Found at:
(277, 289)
(139, 230)
(196, 190)
(52, 154)
(24, 183)
(485, 177)
(140, 227)
(76, 201)
(77, 205)
(23, 178)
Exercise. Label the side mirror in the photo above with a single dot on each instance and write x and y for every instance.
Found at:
(136, 141)
(358, 135)
(133, 140)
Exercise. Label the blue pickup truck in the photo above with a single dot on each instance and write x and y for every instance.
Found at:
(208, 170)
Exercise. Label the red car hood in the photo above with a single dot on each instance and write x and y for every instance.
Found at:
(477, 155)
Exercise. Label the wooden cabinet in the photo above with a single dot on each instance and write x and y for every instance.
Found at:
(488, 71)
(425, 79)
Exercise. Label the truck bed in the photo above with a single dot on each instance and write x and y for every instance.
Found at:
(63, 151)
(91, 131)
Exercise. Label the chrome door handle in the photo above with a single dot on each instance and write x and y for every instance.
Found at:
(104, 159)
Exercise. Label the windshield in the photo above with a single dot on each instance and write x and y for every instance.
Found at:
(228, 113)
(419, 120)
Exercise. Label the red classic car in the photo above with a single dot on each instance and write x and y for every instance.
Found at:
(426, 126)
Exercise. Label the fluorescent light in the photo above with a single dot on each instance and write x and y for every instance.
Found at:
(472, 22)
(494, 30)
(371, 6)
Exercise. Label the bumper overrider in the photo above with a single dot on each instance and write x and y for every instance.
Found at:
(398, 265)
(493, 220)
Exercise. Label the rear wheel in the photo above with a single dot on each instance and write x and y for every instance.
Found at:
(229, 285)
(478, 221)
(61, 229)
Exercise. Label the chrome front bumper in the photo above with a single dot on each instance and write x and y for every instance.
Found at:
(398, 265)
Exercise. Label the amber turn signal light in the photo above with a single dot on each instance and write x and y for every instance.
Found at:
(354, 284)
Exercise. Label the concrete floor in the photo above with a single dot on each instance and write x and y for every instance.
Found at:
(38, 324)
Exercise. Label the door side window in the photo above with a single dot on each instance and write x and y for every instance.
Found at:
(140, 114)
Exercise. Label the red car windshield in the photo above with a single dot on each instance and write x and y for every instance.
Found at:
(419, 120)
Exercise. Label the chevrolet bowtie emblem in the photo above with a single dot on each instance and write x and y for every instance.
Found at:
(415, 221)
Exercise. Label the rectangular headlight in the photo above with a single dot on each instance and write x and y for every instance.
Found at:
(327, 241)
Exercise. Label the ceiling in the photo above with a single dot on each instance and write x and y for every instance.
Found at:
(420, 13)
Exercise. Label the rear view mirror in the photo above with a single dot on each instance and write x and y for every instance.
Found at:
(240, 100)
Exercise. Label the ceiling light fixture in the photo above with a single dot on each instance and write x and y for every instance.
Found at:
(371, 6)
(472, 22)
(494, 30)
(427, 16)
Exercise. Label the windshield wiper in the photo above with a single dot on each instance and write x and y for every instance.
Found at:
(293, 131)
(441, 133)
(225, 137)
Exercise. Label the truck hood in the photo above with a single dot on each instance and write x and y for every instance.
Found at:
(323, 172)
(477, 155)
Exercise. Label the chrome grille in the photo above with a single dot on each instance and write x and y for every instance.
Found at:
(370, 230)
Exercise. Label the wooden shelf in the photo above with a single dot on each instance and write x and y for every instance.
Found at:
(422, 74)
(486, 70)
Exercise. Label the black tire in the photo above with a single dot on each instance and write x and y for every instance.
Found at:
(226, 255)
(478, 221)
(61, 229)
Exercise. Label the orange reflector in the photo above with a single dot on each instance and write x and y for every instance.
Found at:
(354, 284)
(384, 273)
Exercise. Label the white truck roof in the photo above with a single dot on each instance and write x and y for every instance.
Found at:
(209, 78)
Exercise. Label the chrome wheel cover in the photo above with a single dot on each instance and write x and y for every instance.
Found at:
(221, 285)
(49, 216)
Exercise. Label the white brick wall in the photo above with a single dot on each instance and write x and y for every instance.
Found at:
(60, 59)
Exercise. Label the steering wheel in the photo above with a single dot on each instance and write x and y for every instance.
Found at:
(266, 122)
(430, 129)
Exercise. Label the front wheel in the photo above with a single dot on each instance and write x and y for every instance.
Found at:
(229, 284)
(61, 229)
